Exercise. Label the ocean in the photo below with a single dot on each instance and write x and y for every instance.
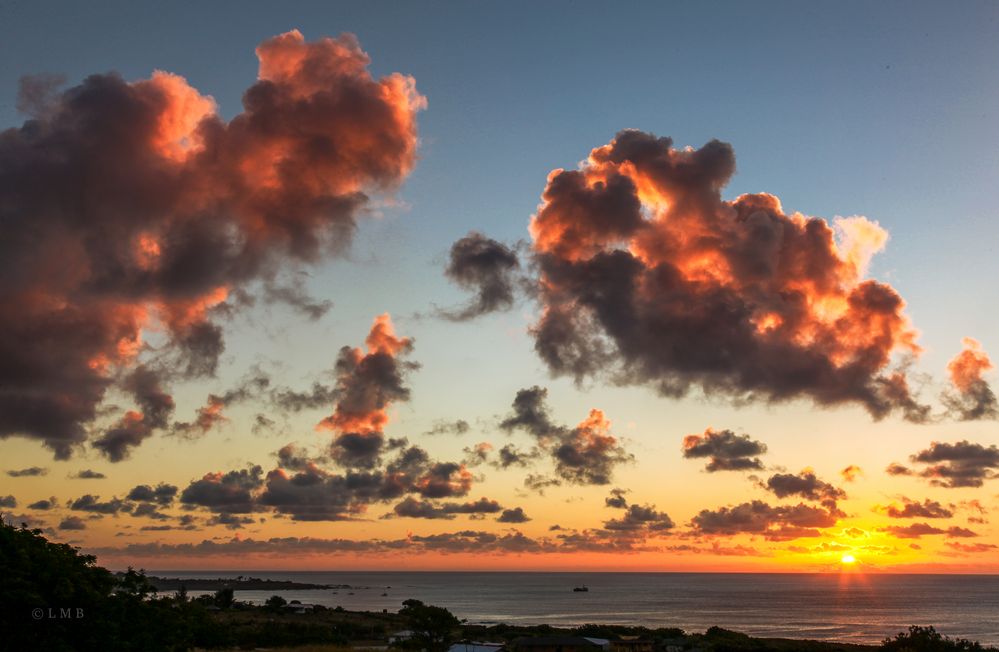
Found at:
(848, 607)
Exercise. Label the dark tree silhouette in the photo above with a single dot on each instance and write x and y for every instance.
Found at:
(432, 627)
(275, 602)
(224, 598)
(927, 639)
(56, 599)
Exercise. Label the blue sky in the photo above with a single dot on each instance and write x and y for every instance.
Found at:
(886, 110)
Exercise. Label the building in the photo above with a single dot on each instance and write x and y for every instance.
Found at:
(631, 644)
(476, 646)
(400, 636)
(559, 644)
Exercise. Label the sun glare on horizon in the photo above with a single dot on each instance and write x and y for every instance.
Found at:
(848, 559)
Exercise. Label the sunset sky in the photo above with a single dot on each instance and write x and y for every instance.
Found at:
(515, 285)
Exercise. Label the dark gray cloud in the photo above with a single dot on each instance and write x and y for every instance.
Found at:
(145, 386)
(444, 480)
(358, 450)
(252, 386)
(149, 510)
(510, 456)
(478, 542)
(604, 540)
(588, 453)
(294, 458)
(87, 474)
(898, 469)
(91, 503)
(8, 501)
(293, 294)
(477, 455)
(162, 494)
(961, 464)
(531, 414)
(319, 396)
(302, 489)
(539, 483)
(964, 548)
(641, 517)
(514, 515)
(806, 485)
(412, 508)
(31, 471)
(230, 521)
(38, 95)
(917, 530)
(72, 523)
(262, 424)
(459, 427)
(44, 505)
(725, 450)
(616, 499)
(311, 494)
(915, 509)
(585, 455)
(775, 523)
(464, 541)
(225, 492)
(486, 267)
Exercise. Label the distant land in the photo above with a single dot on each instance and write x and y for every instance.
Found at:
(238, 584)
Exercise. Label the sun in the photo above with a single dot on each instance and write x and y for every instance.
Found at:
(848, 559)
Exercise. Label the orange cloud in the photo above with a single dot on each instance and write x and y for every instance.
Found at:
(649, 276)
(851, 473)
(366, 386)
(972, 397)
(135, 205)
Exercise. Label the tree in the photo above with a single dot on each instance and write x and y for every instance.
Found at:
(224, 598)
(275, 602)
(54, 598)
(927, 639)
(134, 584)
(432, 626)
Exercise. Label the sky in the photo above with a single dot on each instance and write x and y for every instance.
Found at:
(502, 285)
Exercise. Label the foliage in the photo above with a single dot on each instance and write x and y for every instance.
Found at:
(432, 627)
(927, 639)
(592, 630)
(224, 598)
(54, 598)
(275, 602)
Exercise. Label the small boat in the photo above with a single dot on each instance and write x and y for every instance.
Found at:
(581, 589)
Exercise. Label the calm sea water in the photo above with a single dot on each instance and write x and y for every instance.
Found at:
(849, 607)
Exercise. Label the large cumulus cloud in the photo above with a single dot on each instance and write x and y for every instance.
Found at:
(648, 276)
(127, 206)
